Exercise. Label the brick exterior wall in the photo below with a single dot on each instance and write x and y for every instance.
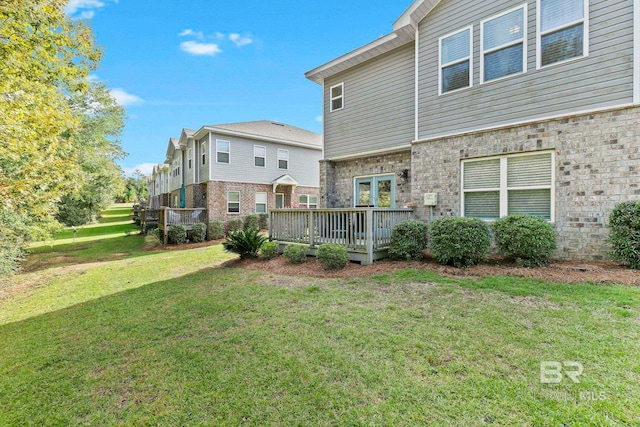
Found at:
(216, 198)
(195, 195)
(337, 178)
(175, 195)
(597, 166)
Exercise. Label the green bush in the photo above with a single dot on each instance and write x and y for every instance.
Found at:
(252, 221)
(245, 243)
(216, 230)
(264, 221)
(155, 233)
(624, 236)
(235, 224)
(198, 232)
(148, 226)
(177, 234)
(332, 256)
(12, 255)
(459, 241)
(136, 220)
(296, 254)
(269, 250)
(528, 240)
(408, 240)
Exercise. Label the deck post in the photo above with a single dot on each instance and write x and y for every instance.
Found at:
(311, 229)
(164, 228)
(369, 237)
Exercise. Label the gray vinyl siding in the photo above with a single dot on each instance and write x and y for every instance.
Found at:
(378, 113)
(189, 173)
(304, 164)
(603, 79)
(203, 170)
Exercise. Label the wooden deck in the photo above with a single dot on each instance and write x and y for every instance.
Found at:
(184, 217)
(365, 232)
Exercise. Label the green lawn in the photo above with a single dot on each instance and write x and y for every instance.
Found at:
(172, 338)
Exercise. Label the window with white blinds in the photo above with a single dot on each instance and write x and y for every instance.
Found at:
(503, 44)
(562, 30)
(455, 60)
(501, 186)
(261, 202)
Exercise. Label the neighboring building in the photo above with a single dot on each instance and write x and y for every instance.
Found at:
(497, 106)
(244, 168)
(158, 185)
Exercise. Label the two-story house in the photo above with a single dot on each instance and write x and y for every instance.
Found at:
(238, 169)
(498, 107)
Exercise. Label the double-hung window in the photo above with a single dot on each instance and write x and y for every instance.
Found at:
(233, 202)
(499, 186)
(336, 95)
(308, 201)
(283, 158)
(562, 30)
(190, 158)
(261, 203)
(504, 46)
(456, 70)
(259, 156)
(203, 152)
(222, 151)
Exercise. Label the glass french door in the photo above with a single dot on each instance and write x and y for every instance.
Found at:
(375, 191)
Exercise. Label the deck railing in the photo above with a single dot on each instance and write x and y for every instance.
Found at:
(362, 230)
(148, 216)
(184, 217)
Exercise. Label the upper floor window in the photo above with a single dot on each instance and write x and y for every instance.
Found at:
(203, 151)
(337, 97)
(496, 187)
(562, 30)
(222, 151)
(190, 155)
(503, 45)
(283, 158)
(259, 156)
(455, 60)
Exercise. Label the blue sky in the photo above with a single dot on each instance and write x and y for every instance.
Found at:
(178, 64)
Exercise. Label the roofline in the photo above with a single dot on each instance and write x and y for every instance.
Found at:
(204, 129)
(404, 31)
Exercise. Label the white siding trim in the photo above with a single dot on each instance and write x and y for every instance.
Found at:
(522, 122)
(636, 51)
(416, 55)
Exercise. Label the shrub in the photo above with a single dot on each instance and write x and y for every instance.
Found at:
(269, 250)
(624, 236)
(528, 240)
(235, 224)
(136, 220)
(408, 240)
(296, 254)
(459, 241)
(245, 243)
(177, 234)
(198, 232)
(155, 233)
(332, 256)
(216, 230)
(252, 221)
(263, 219)
(148, 226)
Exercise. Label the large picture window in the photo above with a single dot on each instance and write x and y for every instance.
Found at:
(562, 30)
(223, 151)
(504, 47)
(501, 186)
(455, 60)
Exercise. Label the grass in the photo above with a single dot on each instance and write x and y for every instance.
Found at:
(138, 342)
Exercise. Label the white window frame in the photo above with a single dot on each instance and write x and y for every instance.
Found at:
(280, 194)
(239, 202)
(190, 158)
(539, 35)
(308, 204)
(283, 150)
(334, 98)
(255, 156)
(504, 189)
(261, 203)
(458, 61)
(203, 152)
(225, 152)
(523, 40)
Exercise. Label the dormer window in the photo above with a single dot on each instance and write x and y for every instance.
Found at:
(337, 97)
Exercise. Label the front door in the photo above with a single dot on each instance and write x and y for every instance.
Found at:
(376, 191)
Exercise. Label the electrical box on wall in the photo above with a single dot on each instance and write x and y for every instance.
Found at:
(430, 199)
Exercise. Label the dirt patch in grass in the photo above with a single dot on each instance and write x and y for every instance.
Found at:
(597, 272)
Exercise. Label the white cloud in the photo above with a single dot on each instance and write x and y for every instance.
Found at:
(85, 9)
(189, 32)
(93, 78)
(145, 168)
(319, 119)
(239, 40)
(124, 98)
(200, 49)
